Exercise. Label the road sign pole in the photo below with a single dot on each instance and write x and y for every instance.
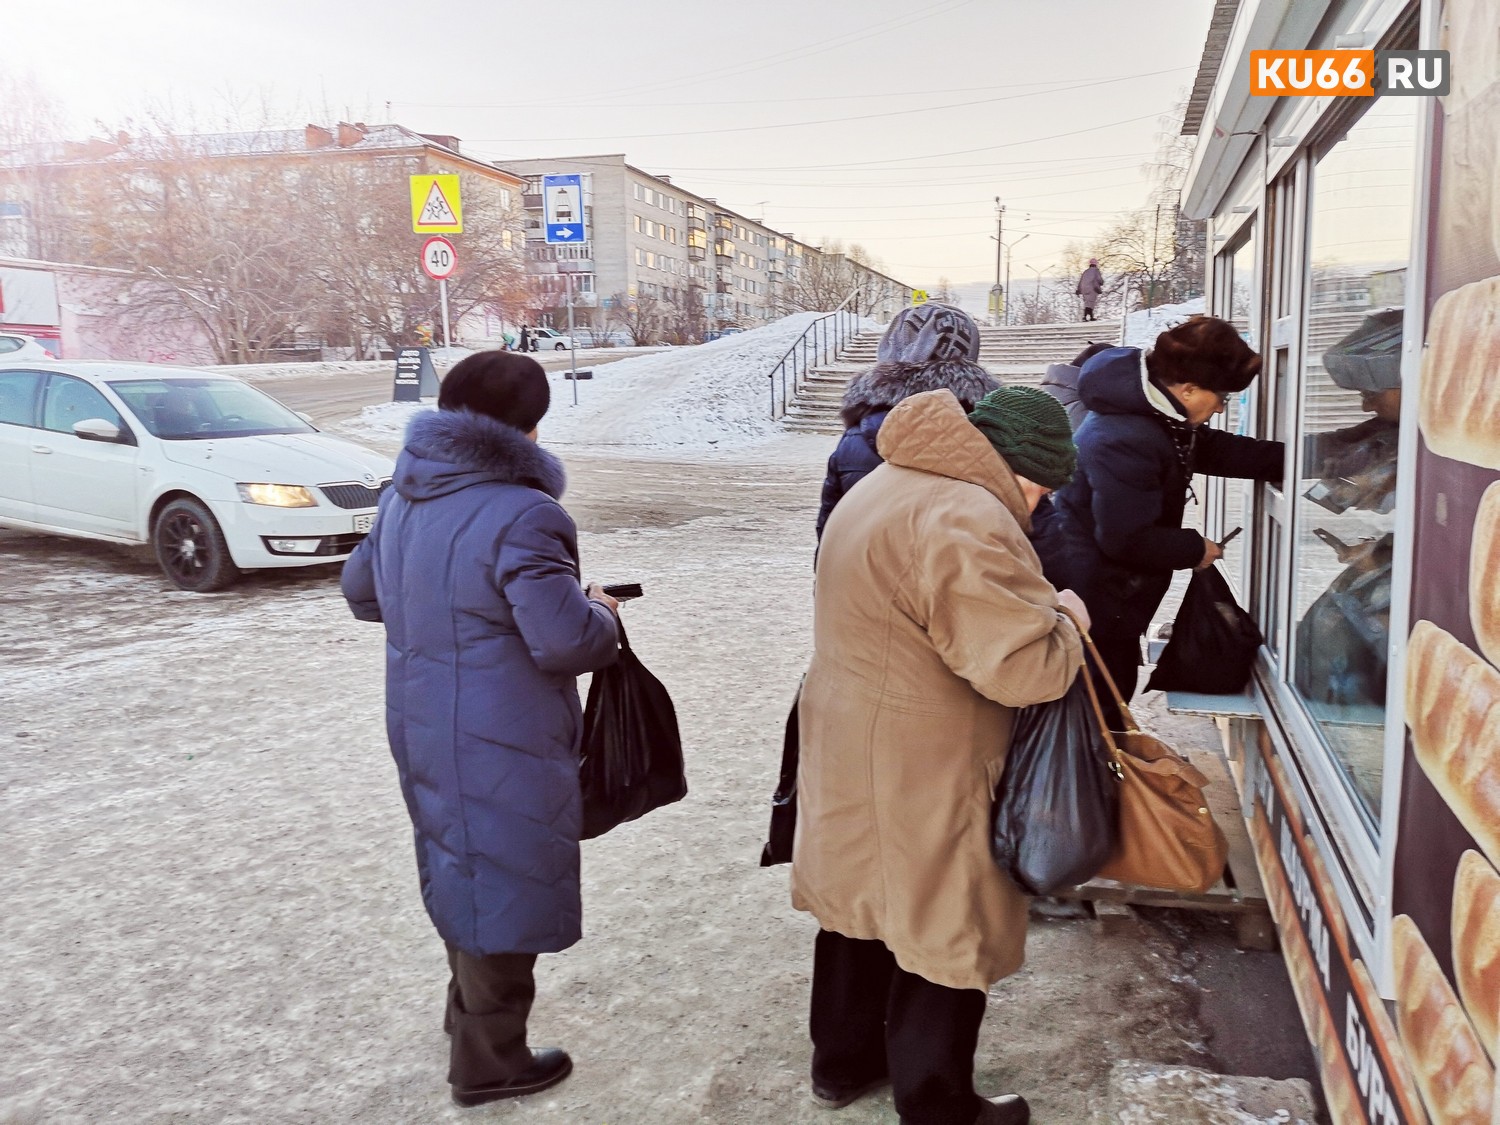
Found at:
(572, 342)
(443, 297)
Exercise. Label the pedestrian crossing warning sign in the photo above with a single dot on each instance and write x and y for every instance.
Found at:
(435, 205)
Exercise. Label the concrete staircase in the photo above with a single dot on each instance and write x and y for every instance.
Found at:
(1018, 354)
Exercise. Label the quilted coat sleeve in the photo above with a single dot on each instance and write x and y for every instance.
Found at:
(564, 631)
(1127, 479)
(358, 579)
(991, 616)
(1221, 454)
(833, 489)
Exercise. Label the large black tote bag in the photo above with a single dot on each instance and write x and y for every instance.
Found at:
(631, 760)
(778, 847)
(1213, 643)
(1057, 807)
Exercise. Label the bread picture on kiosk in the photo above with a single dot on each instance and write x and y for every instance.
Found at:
(1476, 944)
(1453, 709)
(1451, 1068)
(1460, 393)
(1484, 574)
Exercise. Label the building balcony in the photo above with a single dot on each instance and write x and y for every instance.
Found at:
(697, 253)
(696, 222)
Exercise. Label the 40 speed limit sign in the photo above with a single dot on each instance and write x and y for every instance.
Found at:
(439, 259)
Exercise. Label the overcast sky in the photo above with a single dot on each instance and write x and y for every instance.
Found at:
(892, 123)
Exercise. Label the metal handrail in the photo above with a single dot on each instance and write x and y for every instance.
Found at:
(820, 341)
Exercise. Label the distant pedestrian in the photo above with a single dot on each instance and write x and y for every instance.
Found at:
(926, 348)
(932, 624)
(1090, 285)
(525, 339)
(473, 567)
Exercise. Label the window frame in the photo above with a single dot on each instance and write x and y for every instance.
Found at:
(37, 391)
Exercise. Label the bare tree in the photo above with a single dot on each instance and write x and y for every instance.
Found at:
(639, 316)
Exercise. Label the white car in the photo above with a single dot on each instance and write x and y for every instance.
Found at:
(13, 345)
(550, 339)
(215, 475)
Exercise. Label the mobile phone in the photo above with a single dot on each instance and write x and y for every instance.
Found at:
(1229, 538)
(623, 591)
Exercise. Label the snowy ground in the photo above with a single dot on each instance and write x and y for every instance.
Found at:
(211, 907)
(1143, 327)
(700, 399)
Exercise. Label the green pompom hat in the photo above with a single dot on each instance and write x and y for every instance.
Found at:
(1029, 428)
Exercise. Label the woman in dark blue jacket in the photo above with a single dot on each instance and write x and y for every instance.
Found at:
(927, 348)
(1115, 534)
(473, 567)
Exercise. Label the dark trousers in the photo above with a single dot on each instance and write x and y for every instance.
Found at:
(489, 999)
(1122, 656)
(870, 1018)
(1088, 314)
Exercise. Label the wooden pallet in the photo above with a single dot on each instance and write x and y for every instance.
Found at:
(1239, 892)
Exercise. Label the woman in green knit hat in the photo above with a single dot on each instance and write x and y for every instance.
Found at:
(932, 625)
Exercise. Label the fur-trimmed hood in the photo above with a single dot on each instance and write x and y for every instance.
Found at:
(887, 384)
(447, 450)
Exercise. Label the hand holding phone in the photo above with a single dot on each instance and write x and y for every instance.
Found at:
(623, 591)
(1230, 537)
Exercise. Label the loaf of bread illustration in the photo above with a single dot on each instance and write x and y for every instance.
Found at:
(1468, 34)
(1453, 709)
(1484, 574)
(1460, 401)
(1476, 944)
(1451, 1069)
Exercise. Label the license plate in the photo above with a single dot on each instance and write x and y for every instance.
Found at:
(365, 522)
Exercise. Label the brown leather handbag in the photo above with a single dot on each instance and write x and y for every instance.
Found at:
(1168, 839)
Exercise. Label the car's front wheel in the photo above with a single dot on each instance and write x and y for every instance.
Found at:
(560, 348)
(190, 548)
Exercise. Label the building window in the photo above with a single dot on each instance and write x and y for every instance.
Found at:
(1359, 243)
(640, 256)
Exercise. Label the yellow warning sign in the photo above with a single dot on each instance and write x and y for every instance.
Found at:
(918, 297)
(435, 205)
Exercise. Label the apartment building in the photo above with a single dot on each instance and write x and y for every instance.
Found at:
(670, 262)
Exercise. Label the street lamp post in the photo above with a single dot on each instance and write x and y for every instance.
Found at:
(1009, 259)
(1037, 299)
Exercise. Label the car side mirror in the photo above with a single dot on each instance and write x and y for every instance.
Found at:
(97, 429)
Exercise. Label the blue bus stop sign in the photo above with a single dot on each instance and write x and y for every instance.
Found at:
(562, 208)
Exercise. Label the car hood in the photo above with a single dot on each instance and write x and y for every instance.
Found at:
(282, 458)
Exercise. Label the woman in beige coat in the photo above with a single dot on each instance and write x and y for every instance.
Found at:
(933, 623)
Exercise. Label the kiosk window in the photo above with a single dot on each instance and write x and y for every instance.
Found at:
(1359, 233)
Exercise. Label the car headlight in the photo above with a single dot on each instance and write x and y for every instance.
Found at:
(277, 495)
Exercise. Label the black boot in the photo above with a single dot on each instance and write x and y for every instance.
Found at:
(549, 1066)
(1008, 1109)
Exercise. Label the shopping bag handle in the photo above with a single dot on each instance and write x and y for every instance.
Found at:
(1126, 715)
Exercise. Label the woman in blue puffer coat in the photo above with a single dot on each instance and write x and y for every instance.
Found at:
(1115, 533)
(927, 348)
(473, 567)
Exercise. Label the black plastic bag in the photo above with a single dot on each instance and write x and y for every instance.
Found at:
(1057, 807)
(1213, 643)
(778, 847)
(631, 759)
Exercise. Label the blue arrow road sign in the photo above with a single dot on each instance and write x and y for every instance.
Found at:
(562, 208)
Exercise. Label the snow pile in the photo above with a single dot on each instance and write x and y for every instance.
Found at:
(1143, 327)
(271, 372)
(709, 396)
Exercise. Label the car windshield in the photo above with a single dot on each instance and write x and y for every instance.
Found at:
(198, 409)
